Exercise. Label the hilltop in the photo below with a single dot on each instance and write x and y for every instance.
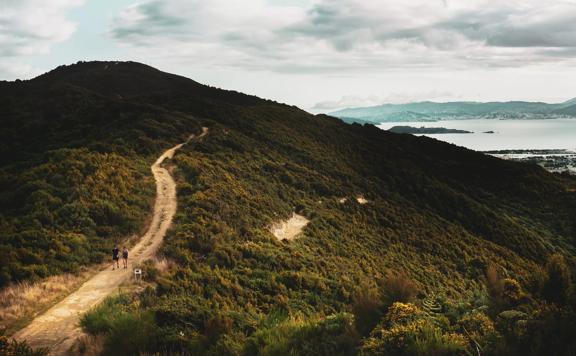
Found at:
(76, 146)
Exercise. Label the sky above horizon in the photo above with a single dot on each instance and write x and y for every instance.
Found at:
(321, 55)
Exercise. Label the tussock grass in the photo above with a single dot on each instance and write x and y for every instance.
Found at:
(22, 301)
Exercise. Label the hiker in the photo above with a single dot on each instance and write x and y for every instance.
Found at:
(125, 256)
(115, 258)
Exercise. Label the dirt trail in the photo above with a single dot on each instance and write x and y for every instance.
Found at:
(58, 327)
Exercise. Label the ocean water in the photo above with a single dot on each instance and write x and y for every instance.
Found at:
(508, 134)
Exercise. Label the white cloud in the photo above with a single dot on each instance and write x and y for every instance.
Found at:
(31, 27)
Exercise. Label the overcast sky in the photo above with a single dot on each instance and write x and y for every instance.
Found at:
(318, 54)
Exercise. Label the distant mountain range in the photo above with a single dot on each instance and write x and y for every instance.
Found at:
(459, 110)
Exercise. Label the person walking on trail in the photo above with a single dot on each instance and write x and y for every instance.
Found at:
(125, 256)
(115, 257)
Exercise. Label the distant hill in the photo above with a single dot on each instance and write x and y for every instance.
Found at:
(569, 102)
(425, 130)
(432, 111)
(75, 149)
(569, 110)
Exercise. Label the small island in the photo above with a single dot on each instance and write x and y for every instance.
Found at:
(426, 130)
(489, 132)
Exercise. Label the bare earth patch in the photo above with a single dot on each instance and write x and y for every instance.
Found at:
(289, 229)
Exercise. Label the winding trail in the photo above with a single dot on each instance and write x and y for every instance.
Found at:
(58, 328)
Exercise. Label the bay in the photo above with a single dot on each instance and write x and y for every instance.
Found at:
(508, 134)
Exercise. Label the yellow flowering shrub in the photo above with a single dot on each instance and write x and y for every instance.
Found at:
(406, 330)
(511, 291)
(477, 324)
(401, 313)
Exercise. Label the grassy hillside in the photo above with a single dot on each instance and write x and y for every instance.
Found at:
(456, 236)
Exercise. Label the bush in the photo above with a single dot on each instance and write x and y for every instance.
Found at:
(551, 331)
(101, 318)
(512, 323)
(480, 330)
(494, 286)
(333, 335)
(127, 329)
(11, 347)
(405, 330)
(504, 293)
(367, 309)
(557, 286)
(397, 287)
(150, 271)
(131, 334)
(512, 293)
(431, 341)
(216, 327)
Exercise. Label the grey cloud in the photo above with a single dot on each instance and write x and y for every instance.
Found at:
(338, 25)
(496, 29)
(358, 38)
(545, 35)
(156, 21)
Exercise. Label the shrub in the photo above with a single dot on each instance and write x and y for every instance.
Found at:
(333, 335)
(216, 327)
(131, 333)
(494, 286)
(11, 347)
(512, 323)
(431, 341)
(512, 293)
(402, 313)
(150, 271)
(551, 331)
(480, 330)
(101, 318)
(405, 330)
(557, 286)
(397, 287)
(367, 309)
(504, 293)
(127, 330)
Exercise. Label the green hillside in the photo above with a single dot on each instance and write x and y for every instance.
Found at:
(457, 236)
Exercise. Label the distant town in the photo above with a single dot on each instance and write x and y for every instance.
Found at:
(558, 161)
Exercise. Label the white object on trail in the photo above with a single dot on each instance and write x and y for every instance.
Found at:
(137, 274)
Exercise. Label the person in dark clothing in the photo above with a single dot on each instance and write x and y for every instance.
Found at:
(125, 256)
(115, 257)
